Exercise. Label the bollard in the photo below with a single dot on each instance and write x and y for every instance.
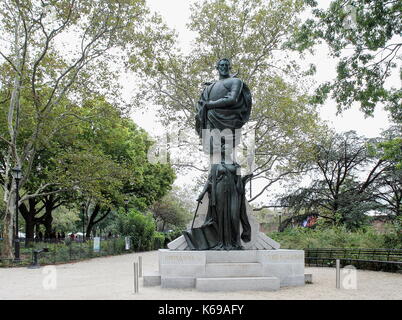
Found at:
(140, 267)
(135, 277)
(338, 274)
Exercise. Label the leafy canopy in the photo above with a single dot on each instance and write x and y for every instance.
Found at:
(366, 37)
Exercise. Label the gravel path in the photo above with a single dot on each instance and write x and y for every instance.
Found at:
(112, 278)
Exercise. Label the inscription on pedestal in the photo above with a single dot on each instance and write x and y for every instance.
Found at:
(179, 258)
(281, 256)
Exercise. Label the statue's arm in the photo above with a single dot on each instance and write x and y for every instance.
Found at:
(204, 191)
(230, 99)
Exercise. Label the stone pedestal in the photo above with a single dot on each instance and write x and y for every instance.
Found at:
(230, 270)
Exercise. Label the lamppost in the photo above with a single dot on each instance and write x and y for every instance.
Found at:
(17, 175)
(126, 205)
(83, 220)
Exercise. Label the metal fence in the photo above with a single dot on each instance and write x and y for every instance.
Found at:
(64, 251)
(377, 259)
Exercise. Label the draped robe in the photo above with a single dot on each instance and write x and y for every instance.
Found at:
(230, 102)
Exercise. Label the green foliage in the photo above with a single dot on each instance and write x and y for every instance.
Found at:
(365, 36)
(158, 240)
(139, 227)
(393, 235)
(392, 150)
(336, 237)
(171, 211)
(389, 185)
(64, 219)
(100, 158)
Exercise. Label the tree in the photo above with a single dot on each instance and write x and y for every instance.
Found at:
(365, 36)
(171, 212)
(252, 35)
(37, 74)
(342, 190)
(388, 188)
(389, 192)
(106, 163)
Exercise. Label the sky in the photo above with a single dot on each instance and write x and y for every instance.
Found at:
(176, 14)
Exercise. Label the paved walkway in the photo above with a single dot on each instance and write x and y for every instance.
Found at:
(112, 278)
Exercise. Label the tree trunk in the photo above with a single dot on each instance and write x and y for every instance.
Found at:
(7, 247)
(12, 153)
(29, 230)
(47, 220)
(8, 227)
(29, 216)
(92, 220)
(48, 226)
(37, 229)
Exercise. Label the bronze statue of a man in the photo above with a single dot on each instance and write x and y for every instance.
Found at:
(224, 107)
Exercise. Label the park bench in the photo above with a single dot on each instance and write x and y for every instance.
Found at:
(370, 259)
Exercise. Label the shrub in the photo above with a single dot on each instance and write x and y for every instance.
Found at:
(336, 237)
(393, 235)
(139, 227)
(158, 240)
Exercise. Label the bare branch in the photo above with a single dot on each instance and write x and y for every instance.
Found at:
(41, 194)
(183, 165)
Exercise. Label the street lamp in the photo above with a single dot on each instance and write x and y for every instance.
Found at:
(83, 220)
(17, 175)
(126, 205)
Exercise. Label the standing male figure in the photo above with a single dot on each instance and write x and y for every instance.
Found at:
(224, 107)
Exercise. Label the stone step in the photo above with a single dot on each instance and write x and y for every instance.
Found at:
(244, 269)
(238, 284)
(151, 279)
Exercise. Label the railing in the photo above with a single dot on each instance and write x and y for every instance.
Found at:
(67, 250)
(379, 259)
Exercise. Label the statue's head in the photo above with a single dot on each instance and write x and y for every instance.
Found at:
(223, 66)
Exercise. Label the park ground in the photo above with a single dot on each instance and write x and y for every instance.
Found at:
(112, 278)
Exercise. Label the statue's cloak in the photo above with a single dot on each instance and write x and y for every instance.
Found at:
(233, 117)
